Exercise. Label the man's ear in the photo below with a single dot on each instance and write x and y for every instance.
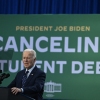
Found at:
(34, 59)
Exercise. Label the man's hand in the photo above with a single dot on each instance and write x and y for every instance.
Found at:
(15, 90)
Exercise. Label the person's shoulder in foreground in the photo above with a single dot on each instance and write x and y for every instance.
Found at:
(29, 81)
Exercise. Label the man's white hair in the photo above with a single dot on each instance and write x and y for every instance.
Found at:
(32, 51)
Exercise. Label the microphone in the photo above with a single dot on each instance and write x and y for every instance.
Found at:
(3, 76)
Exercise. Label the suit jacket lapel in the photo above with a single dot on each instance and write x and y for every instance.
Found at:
(31, 75)
(20, 78)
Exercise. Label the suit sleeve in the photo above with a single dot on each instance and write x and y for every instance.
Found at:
(13, 83)
(38, 86)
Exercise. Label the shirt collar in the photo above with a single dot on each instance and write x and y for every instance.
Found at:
(31, 69)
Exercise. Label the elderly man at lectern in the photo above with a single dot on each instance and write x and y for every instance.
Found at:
(29, 81)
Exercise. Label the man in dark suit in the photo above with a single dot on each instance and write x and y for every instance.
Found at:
(29, 81)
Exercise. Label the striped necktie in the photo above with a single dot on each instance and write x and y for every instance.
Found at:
(24, 78)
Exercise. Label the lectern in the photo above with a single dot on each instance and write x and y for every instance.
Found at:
(5, 94)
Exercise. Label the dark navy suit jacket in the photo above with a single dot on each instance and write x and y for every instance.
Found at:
(34, 86)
